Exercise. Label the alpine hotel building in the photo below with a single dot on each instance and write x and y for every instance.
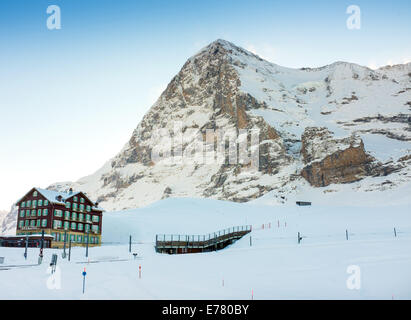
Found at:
(58, 213)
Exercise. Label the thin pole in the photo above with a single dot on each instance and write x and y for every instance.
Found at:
(395, 232)
(88, 232)
(129, 246)
(346, 234)
(41, 247)
(64, 248)
(26, 245)
(69, 249)
(251, 242)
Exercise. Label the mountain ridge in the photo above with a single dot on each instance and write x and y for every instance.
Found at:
(225, 87)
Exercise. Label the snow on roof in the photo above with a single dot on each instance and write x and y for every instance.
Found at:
(53, 197)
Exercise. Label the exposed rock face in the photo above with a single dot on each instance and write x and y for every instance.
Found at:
(333, 160)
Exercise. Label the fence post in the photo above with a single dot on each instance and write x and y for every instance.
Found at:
(69, 249)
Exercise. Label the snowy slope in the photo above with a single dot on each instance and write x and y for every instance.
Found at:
(274, 267)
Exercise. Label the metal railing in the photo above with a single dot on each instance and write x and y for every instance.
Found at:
(164, 241)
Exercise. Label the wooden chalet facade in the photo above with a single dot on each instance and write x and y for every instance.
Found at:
(58, 213)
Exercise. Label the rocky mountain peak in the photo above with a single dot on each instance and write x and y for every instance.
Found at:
(316, 127)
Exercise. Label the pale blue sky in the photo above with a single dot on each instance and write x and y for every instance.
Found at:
(70, 98)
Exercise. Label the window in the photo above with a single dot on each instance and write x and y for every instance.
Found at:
(80, 227)
(27, 213)
(44, 223)
(27, 223)
(81, 217)
(35, 194)
(87, 217)
(23, 204)
(45, 212)
(32, 223)
(91, 239)
(87, 228)
(82, 207)
(81, 200)
(95, 218)
(57, 224)
(67, 215)
(46, 202)
(33, 213)
(58, 213)
(21, 223)
(40, 203)
(96, 240)
(66, 225)
(85, 239)
(79, 238)
(74, 216)
(28, 204)
(88, 208)
(95, 228)
(34, 204)
(75, 199)
(68, 205)
(22, 214)
(73, 226)
(73, 238)
(39, 213)
(74, 206)
(38, 222)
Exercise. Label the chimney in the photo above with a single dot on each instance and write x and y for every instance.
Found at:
(71, 190)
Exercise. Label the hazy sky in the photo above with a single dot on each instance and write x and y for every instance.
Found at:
(70, 98)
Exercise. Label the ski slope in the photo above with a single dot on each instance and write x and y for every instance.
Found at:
(274, 267)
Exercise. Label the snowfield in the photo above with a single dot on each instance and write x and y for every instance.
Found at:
(274, 267)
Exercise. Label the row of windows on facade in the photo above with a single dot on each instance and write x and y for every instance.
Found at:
(58, 213)
(75, 198)
(74, 238)
(41, 203)
(58, 224)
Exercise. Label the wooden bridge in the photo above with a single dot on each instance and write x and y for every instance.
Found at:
(179, 244)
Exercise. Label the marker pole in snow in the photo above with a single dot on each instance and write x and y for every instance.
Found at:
(64, 246)
(26, 245)
(69, 249)
(129, 245)
(251, 242)
(88, 236)
(139, 271)
(346, 234)
(278, 223)
(395, 232)
(84, 279)
(41, 247)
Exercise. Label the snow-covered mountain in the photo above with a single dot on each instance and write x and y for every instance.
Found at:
(317, 127)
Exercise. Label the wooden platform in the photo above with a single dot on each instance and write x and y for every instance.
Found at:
(180, 244)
